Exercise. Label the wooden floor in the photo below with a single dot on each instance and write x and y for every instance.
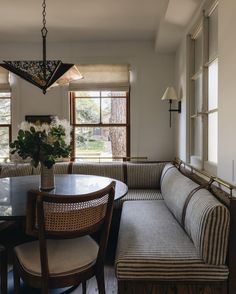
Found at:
(110, 283)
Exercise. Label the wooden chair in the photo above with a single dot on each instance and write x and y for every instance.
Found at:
(65, 254)
(3, 270)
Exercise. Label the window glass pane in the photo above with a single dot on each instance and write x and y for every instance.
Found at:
(212, 137)
(87, 110)
(87, 94)
(213, 34)
(101, 141)
(198, 52)
(5, 111)
(113, 110)
(113, 94)
(213, 85)
(197, 103)
(4, 142)
(197, 137)
(7, 94)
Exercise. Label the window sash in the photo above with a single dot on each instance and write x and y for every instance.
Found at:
(75, 125)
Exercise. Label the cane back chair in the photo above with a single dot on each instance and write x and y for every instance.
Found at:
(64, 254)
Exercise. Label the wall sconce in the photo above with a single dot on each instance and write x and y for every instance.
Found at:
(170, 95)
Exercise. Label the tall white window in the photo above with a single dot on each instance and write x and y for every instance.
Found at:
(203, 85)
(213, 86)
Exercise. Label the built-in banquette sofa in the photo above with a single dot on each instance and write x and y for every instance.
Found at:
(141, 178)
(175, 235)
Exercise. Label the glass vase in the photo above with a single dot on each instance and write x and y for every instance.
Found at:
(47, 181)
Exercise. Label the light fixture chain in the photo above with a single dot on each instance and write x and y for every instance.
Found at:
(44, 35)
(44, 29)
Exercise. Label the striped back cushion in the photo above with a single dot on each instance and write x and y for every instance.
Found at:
(36, 170)
(207, 223)
(61, 168)
(16, 170)
(144, 175)
(175, 188)
(111, 170)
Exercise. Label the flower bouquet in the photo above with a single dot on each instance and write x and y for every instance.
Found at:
(43, 143)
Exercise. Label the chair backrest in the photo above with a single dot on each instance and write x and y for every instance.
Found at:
(68, 216)
(56, 216)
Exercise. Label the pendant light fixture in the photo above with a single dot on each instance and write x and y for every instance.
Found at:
(44, 73)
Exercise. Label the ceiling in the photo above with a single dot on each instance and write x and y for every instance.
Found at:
(97, 20)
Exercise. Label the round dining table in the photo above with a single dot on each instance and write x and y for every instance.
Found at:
(13, 190)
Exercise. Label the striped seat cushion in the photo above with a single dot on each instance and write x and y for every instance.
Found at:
(144, 175)
(153, 246)
(139, 194)
(175, 189)
(207, 223)
(16, 170)
(111, 170)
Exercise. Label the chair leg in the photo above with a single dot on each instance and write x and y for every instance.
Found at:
(3, 271)
(84, 287)
(44, 290)
(16, 280)
(100, 282)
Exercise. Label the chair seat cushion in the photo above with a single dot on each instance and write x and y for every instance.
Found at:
(140, 194)
(153, 246)
(64, 256)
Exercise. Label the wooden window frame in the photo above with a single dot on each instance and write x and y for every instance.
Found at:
(9, 126)
(73, 123)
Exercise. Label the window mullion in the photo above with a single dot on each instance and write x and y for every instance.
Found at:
(205, 55)
(100, 110)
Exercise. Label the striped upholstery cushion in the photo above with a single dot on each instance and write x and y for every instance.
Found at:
(144, 175)
(36, 170)
(139, 194)
(16, 170)
(153, 246)
(175, 189)
(59, 168)
(111, 170)
(207, 223)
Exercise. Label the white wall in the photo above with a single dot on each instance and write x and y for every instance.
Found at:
(227, 90)
(152, 73)
(181, 143)
(227, 93)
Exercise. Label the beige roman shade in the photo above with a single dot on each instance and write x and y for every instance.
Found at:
(4, 81)
(102, 77)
